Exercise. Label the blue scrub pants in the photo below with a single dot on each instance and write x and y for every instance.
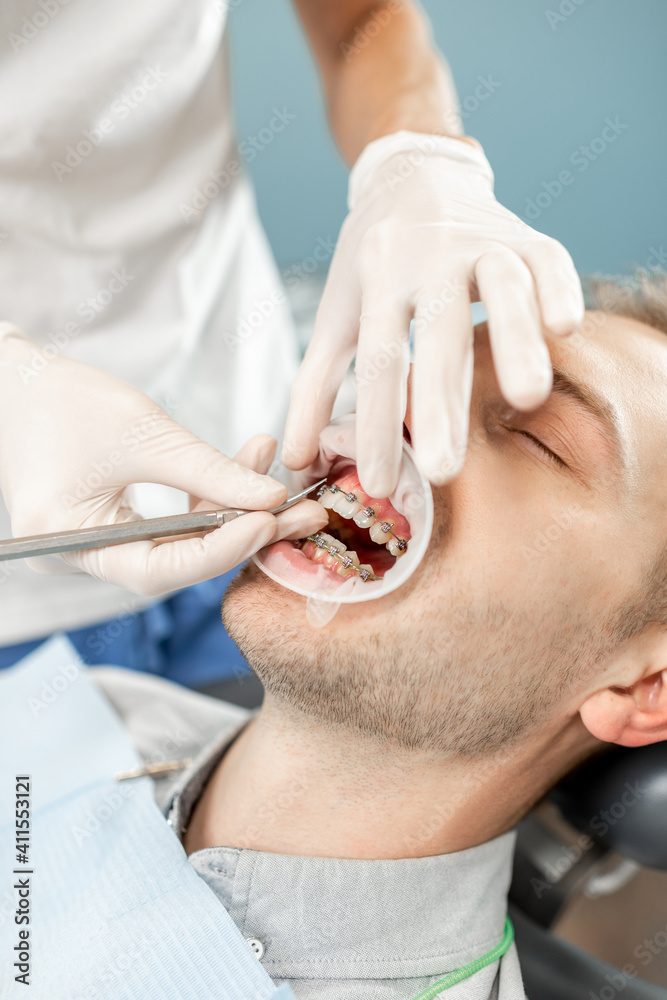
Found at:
(181, 638)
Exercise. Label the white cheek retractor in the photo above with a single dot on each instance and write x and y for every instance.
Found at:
(412, 498)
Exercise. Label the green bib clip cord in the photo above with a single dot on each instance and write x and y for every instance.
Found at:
(452, 978)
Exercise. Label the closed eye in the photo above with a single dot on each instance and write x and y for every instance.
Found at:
(552, 457)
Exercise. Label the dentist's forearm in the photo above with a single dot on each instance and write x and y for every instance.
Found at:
(379, 70)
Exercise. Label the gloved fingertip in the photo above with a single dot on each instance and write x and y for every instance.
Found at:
(260, 441)
(527, 383)
(378, 481)
(264, 443)
(269, 527)
(563, 312)
(563, 322)
(260, 527)
(260, 493)
(257, 453)
(303, 519)
(297, 456)
(529, 393)
(441, 469)
(526, 400)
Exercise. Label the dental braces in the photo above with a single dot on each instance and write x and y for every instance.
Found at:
(342, 557)
(368, 511)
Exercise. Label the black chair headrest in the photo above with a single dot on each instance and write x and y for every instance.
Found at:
(619, 799)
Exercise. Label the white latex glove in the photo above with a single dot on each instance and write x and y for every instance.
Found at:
(424, 234)
(73, 437)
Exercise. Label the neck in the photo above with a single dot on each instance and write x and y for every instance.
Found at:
(290, 786)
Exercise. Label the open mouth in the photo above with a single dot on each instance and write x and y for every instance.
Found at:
(364, 538)
(369, 547)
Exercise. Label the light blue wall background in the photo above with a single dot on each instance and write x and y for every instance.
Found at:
(555, 88)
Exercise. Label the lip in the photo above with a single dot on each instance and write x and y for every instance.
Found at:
(283, 558)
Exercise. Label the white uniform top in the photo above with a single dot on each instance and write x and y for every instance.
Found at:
(129, 237)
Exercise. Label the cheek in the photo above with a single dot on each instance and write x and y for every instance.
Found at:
(505, 532)
(527, 538)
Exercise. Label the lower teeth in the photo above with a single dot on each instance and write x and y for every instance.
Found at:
(347, 559)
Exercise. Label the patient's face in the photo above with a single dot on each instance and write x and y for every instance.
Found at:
(534, 552)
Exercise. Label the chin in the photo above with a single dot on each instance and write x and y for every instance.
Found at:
(268, 622)
(255, 607)
(252, 590)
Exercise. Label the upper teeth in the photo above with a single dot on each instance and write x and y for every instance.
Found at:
(378, 533)
(363, 518)
(395, 547)
(349, 507)
(346, 508)
(328, 499)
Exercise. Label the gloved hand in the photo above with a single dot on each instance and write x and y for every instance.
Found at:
(424, 234)
(73, 437)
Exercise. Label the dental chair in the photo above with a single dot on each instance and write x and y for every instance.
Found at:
(549, 872)
(629, 788)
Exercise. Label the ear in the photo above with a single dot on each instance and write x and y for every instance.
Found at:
(633, 715)
(632, 709)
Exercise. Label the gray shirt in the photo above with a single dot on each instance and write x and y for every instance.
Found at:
(334, 929)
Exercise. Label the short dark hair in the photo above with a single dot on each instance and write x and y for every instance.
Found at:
(641, 296)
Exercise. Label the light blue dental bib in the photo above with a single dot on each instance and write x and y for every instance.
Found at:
(116, 911)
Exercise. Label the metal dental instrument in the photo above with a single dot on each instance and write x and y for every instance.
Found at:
(155, 770)
(131, 531)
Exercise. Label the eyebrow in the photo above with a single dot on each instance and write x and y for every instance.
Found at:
(598, 406)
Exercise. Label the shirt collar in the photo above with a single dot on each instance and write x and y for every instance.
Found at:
(324, 918)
